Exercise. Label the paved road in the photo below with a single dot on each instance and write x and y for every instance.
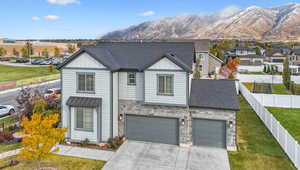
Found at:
(20, 64)
(10, 97)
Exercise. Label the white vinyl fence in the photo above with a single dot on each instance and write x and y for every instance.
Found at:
(276, 79)
(278, 100)
(286, 141)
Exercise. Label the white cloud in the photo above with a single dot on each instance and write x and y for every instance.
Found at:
(35, 18)
(63, 2)
(51, 17)
(147, 13)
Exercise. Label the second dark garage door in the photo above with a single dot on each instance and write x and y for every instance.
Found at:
(209, 132)
(152, 129)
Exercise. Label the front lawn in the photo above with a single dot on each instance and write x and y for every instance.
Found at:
(9, 147)
(257, 148)
(289, 119)
(11, 73)
(56, 161)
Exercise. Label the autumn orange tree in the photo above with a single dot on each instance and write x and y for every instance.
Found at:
(40, 136)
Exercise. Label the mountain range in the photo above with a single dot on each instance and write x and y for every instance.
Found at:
(279, 23)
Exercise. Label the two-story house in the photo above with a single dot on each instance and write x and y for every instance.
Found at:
(144, 91)
(277, 55)
(209, 64)
(247, 56)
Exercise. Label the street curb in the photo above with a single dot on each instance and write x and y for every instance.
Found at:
(30, 86)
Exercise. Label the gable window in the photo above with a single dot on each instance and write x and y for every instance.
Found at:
(165, 85)
(86, 82)
(131, 78)
(84, 118)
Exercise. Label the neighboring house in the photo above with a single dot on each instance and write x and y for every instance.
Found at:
(209, 63)
(240, 51)
(294, 58)
(144, 91)
(277, 55)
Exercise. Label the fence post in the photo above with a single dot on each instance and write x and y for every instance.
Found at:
(296, 153)
(285, 140)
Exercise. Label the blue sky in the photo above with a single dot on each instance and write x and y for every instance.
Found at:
(49, 19)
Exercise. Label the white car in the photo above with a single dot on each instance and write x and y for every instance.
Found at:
(6, 110)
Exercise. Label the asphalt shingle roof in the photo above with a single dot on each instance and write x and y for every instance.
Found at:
(137, 55)
(215, 94)
(84, 102)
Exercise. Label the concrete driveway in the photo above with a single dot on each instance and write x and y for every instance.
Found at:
(149, 156)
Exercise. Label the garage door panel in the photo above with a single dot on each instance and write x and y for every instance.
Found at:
(209, 132)
(152, 129)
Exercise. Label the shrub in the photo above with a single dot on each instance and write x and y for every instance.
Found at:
(85, 142)
(6, 137)
(115, 142)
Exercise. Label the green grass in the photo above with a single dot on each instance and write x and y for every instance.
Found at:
(37, 80)
(249, 86)
(11, 73)
(280, 89)
(9, 147)
(289, 119)
(56, 161)
(255, 73)
(257, 148)
(9, 119)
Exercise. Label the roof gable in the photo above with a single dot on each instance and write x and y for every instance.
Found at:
(84, 60)
(165, 63)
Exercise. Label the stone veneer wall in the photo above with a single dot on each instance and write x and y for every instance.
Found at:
(185, 131)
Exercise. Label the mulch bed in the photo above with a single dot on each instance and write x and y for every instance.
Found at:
(91, 146)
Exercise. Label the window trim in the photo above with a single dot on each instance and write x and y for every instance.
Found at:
(77, 82)
(128, 82)
(75, 120)
(172, 85)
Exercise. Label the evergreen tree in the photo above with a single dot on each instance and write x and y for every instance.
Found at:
(286, 75)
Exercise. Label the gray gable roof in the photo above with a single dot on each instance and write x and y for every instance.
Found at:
(215, 94)
(139, 56)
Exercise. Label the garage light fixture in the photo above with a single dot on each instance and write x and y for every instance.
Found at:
(230, 124)
(120, 117)
(183, 121)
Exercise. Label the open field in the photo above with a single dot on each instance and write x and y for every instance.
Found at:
(13, 73)
(257, 148)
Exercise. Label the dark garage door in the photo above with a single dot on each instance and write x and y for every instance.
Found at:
(152, 129)
(209, 133)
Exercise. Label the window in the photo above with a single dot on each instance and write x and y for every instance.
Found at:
(84, 118)
(165, 85)
(131, 79)
(86, 82)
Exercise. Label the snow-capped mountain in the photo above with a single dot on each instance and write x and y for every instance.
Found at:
(254, 22)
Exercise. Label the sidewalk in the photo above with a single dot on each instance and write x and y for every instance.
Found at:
(33, 85)
(95, 154)
(72, 151)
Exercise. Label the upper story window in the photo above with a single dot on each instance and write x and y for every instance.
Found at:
(131, 79)
(165, 85)
(86, 82)
(84, 118)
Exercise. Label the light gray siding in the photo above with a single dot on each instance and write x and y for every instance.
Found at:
(180, 88)
(85, 61)
(130, 92)
(165, 63)
(115, 103)
(102, 90)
